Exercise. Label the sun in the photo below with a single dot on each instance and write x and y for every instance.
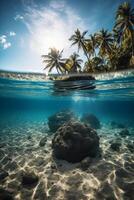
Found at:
(43, 40)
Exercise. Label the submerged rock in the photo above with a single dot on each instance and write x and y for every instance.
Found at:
(115, 146)
(130, 146)
(74, 141)
(124, 133)
(29, 179)
(5, 194)
(3, 174)
(58, 119)
(29, 137)
(43, 142)
(92, 120)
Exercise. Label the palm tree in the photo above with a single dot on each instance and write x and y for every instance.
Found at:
(73, 64)
(88, 67)
(79, 39)
(124, 25)
(114, 55)
(96, 64)
(92, 45)
(105, 41)
(54, 60)
(120, 57)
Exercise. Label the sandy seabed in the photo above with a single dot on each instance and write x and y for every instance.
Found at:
(109, 177)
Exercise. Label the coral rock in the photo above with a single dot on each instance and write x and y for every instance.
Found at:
(92, 120)
(29, 179)
(74, 141)
(58, 119)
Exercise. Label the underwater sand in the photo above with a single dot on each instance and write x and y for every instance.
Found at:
(109, 177)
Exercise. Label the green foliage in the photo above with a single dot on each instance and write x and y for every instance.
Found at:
(124, 23)
(91, 45)
(73, 64)
(104, 50)
(54, 60)
(79, 39)
(105, 41)
(96, 64)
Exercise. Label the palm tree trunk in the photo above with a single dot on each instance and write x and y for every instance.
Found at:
(132, 39)
(57, 70)
(85, 51)
(94, 53)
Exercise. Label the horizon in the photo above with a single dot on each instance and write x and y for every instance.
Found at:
(29, 29)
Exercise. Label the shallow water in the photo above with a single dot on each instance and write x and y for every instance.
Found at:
(25, 107)
(109, 100)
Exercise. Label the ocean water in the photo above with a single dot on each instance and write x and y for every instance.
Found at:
(35, 101)
(25, 108)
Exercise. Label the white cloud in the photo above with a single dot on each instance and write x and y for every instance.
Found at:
(12, 33)
(57, 5)
(3, 39)
(4, 43)
(51, 26)
(18, 17)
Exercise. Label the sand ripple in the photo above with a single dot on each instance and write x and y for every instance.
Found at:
(110, 177)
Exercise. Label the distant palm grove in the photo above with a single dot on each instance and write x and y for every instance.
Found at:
(104, 51)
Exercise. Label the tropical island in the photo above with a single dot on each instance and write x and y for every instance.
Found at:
(68, 135)
(104, 51)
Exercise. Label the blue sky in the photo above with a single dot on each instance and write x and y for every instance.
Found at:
(28, 28)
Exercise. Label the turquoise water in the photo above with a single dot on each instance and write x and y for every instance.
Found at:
(35, 101)
(28, 168)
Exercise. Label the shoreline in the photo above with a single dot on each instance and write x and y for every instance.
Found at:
(35, 76)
